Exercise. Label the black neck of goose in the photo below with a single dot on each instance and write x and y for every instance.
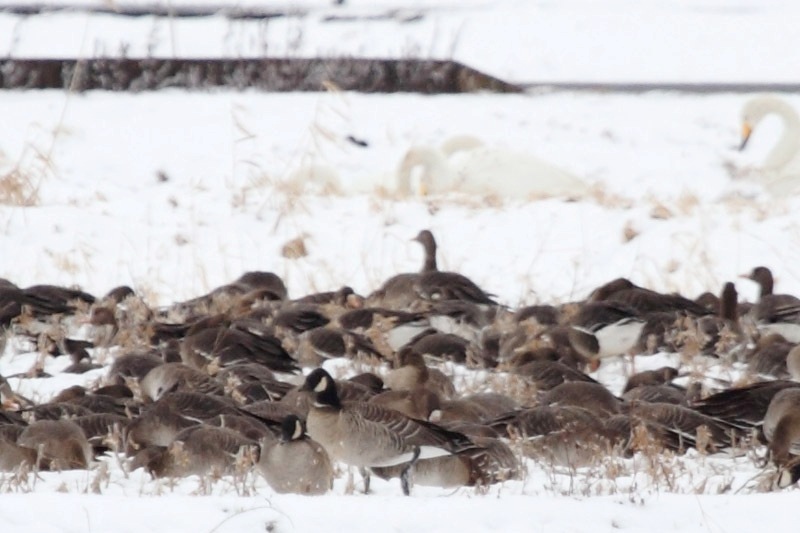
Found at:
(329, 397)
(728, 303)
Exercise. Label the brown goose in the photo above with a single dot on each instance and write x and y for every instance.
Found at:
(177, 377)
(605, 329)
(318, 344)
(12, 455)
(770, 356)
(660, 376)
(562, 435)
(644, 301)
(543, 315)
(269, 285)
(417, 402)
(300, 317)
(793, 363)
(782, 432)
(132, 366)
(431, 284)
(173, 412)
(394, 327)
(743, 407)
(251, 382)
(722, 331)
(235, 345)
(547, 374)
(410, 372)
(775, 313)
(465, 319)
(472, 411)
(156, 426)
(252, 427)
(782, 424)
(399, 292)
(296, 463)
(656, 394)
(197, 450)
(677, 427)
(438, 286)
(58, 444)
(93, 401)
(345, 297)
(441, 346)
(594, 397)
(104, 431)
(368, 435)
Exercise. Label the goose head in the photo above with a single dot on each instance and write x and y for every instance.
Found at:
(763, 276)
(292, 428)
(322, 385)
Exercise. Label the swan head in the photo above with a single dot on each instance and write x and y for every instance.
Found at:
(425, 158)
(755, 109)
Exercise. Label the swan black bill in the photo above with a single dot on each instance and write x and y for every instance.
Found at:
(746, 131)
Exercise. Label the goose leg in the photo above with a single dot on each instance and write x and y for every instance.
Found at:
(404, 476)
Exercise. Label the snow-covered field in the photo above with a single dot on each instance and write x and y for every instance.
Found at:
(175, 193)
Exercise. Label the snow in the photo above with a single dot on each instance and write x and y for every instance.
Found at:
(175, 193)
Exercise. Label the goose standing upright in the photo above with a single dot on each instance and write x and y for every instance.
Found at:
(398, 291)
(780, 172)
(402, 290)
(368, 435)
(775, 313)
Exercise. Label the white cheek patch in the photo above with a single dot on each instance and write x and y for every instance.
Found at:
(322, 385)
(298, 430)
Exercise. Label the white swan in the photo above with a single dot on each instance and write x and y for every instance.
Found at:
(780, 172)
(321, 178)
(476, 169)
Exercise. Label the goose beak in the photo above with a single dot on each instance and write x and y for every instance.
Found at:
(747, 129)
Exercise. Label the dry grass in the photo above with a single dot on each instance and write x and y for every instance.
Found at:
(18, 188)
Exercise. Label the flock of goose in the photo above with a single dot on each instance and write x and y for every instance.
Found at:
(465, 164)
(240, 378)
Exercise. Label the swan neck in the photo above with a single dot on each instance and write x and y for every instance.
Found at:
(789, 143)
(434, 165)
